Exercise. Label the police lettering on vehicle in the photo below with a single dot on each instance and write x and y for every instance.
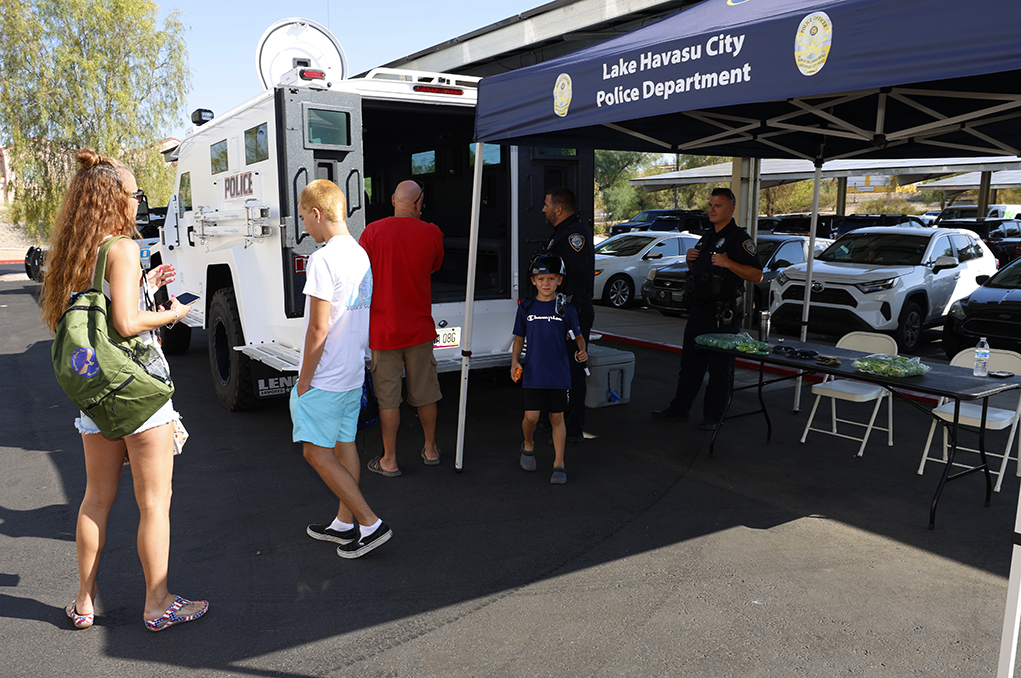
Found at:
(238, 186)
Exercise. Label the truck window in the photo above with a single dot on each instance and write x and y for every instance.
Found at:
(425, 162)
(329, 128)
(184, 193)
(218, 157)
(256, 144)
(490, 155)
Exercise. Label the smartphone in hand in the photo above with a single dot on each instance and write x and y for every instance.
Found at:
(187, 298)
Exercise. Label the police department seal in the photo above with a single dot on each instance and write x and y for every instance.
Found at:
(812, 43)
(562, 93)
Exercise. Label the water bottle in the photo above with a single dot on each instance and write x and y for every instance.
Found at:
(982, 358)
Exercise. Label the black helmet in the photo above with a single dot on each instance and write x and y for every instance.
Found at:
(546, 263)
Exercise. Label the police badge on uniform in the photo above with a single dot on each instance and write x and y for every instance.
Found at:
(749, 247)
(577, 241)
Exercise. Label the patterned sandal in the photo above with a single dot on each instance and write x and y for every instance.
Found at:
(80, 621)
(170, 617)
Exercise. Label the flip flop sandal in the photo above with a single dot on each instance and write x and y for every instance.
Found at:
(374, 466)
(80, 621)
(170, 617)
(431, 462)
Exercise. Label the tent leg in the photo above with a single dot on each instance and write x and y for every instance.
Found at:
(469, 306)
(808, 272)
(1012, 613)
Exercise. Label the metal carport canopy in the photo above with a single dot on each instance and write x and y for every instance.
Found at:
(972, 180)
(812, 79)
(775, 172)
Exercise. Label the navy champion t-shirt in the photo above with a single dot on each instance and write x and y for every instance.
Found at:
(547, 363)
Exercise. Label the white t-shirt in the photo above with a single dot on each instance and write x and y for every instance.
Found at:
(339, 273)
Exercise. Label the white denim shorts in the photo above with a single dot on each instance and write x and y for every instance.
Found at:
(163, 415)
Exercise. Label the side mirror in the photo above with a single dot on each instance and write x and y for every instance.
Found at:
(653, 255)
(781, 263)
(981, 279)
(943, 263)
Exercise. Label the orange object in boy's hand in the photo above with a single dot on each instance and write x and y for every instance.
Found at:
(517, 374)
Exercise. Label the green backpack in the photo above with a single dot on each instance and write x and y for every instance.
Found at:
(119, 382)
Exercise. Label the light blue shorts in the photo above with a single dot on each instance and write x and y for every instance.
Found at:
(325, 418)
(163, 415)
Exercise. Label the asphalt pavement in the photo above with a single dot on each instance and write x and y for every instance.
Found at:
(656, 559)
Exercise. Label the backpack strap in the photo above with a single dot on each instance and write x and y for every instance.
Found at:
(104, 250)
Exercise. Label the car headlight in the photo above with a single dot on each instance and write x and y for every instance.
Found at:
(598, 271)
(876, 285)
(957, 310)
(652, 275)
(782, 278)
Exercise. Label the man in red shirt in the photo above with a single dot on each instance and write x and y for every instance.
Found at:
(403, 251)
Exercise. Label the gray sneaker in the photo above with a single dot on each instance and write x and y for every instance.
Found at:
(527, 459)
(559, 476)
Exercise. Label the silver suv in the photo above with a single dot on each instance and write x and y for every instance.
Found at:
(893, 280)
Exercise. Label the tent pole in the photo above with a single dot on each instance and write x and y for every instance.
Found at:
(1012, 613)
(808, 272)
(469, 305)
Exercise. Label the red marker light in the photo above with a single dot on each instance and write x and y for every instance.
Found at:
(429, 89)
(311, 74)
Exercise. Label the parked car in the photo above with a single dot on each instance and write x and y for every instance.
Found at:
(855, 221)
(1003, 236)
(147, 221)
(929, 217)
(799, 224)
(624, 261)
(971, 212)
(664, 287)
(670, 220)
(767, 224)
(992, 311)
(893, 280)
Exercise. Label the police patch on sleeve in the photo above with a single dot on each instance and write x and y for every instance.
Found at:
(577, 241)
(749, 246)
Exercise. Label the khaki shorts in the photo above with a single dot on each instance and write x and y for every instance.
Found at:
(419, 365)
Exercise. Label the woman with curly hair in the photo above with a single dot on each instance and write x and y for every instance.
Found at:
(100, 204)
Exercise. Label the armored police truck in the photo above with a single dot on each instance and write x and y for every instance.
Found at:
(232, 229)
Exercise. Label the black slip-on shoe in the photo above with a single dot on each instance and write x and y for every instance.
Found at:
(357, 549)
(324, 533)
(669, 415)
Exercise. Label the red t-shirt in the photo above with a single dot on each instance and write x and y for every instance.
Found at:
(403, 252)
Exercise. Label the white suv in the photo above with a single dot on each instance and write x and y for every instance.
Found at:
(893, 280)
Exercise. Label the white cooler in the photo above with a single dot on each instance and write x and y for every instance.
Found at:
(609, 381)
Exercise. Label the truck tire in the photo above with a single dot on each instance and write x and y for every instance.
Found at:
(909, 330)
(176, 339)
(232, 370)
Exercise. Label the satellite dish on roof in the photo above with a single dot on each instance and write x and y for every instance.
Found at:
(293, 43)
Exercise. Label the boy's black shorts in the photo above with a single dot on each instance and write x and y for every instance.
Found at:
(553, 400)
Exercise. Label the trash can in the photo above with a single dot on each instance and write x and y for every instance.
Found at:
(610, 375)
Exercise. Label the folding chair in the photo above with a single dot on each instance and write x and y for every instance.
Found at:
(997, 418)
(855, 391)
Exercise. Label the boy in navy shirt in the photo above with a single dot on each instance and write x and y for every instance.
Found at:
(545, 320)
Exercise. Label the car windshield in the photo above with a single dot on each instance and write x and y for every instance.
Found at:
(766, 249)
(882, 249)
(1007, 278)
(624, 246)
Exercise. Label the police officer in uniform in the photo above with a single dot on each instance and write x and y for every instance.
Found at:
(572, 242)
(718, 267)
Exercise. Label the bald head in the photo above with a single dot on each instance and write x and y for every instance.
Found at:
(407, 199)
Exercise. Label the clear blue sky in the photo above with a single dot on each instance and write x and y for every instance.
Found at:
(222, 37)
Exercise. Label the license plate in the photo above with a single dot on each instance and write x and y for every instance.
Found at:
(449, 337)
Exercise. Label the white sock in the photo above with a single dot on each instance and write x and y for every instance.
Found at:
(340, 526)
(366, 530)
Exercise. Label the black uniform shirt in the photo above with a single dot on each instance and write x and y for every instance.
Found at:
(736, 244)
(572, 242)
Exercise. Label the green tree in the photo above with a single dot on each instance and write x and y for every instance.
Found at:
(98, 73)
